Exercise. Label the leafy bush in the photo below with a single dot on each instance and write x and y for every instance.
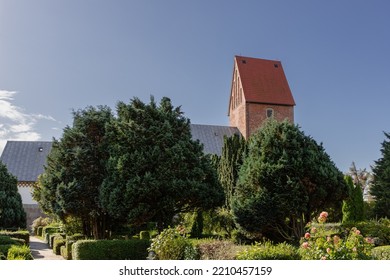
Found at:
(381, 253)
(318, 244)
(144, 235)
(170, 244)
(379, 230)
(39, 222)
(52, 236)
(39, 231)
(20, 234)
(269, 251)
(64, 252)
(47, 230)
(19, 253)
(213, 249)
(70, 240)
(133, 249)
(4, 250)
(57, 243)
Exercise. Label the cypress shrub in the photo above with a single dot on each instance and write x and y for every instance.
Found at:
(133, 249)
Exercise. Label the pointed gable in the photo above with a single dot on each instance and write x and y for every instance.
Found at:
(263, 81)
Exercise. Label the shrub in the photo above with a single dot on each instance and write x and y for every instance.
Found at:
(170, 244)
(133, 249)
(319, 244)
(47, 230)
(379, 230)
(70, 240)
(39, 231)
(19, 253)
(213, 249)
(39, 222)
(269, 251)
(52, 236)
(144, 235)
(57, 243)
(20, 234)
(381, 253)
(6, 240)
(4, 250)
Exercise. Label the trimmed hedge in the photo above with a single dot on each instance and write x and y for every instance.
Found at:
(133, 249)
(19, 253)
(381, 253)
(20, 234)
(269, 251)
(39, 230)
(70, 240)
(47, 231)
(57, 243)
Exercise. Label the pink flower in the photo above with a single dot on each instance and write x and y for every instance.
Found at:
(324, 214)
(307, 235)
(305, 245)
(336, 239)
(328, 250)
(323, 258)
(328, 239)
(357, 232)
(322, 217)
(354, 249)
(313, 230)
(369, 240)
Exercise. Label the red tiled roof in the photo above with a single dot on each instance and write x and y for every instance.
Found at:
(263, 81)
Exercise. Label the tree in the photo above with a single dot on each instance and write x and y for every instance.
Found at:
(76, 168)
(381, 185)
(12, 214)
(353, 206)
(233, 152)
(156, 170)
(285, 180)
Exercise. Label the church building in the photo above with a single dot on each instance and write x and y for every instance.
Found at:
(259, 91)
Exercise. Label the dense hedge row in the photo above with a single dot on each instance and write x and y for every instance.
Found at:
(381, 253)
(20, 234)
(133, 249)
(14, 245)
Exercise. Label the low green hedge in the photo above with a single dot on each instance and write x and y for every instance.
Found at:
(20, 234)
(57, 243)
(47, 231)
(65, 252)
(39, 230)
(381, 253)
(19, 253)
(6, 240)
(132, 249)
(269, 251)
(70, 240)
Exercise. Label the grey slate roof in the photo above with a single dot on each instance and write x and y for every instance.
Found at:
(25, 159)
(211, 136)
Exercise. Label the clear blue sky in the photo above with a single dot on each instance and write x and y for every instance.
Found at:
(56, 56)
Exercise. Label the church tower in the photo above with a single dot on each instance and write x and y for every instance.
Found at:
(259, 91)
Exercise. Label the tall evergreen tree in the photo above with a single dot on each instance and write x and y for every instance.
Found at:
(156, 170)
(286, 179)
(233, 152)
(353, 206)
(12, 214)
(76, 168)
(381, 186)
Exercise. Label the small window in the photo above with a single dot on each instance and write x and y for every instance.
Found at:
(270, 113)
(276, 66)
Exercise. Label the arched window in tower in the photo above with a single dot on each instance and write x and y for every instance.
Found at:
(270, 113)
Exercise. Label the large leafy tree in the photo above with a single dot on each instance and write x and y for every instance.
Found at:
(285, 180)
(12, 214)
(76, 168)
(381, 186)
(156, 170)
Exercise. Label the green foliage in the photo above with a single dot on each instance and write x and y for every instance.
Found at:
(285, 179)
(4, 250)
(155, 169)
(214, 249)
(19, 253)
(40, 222)
(378, 231)
(353, 206)
(133, 249)
(76, 168)
(233, 152)
(381, 253)
(144, 235)
(269, 251)
(57, 243)
(318, 244)
(39, 230)
(47, 231)
(70, 240)
(20, 234)
(12, 214)
(197, 225)
(65, 253)
(170, 244)
(380, 188)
